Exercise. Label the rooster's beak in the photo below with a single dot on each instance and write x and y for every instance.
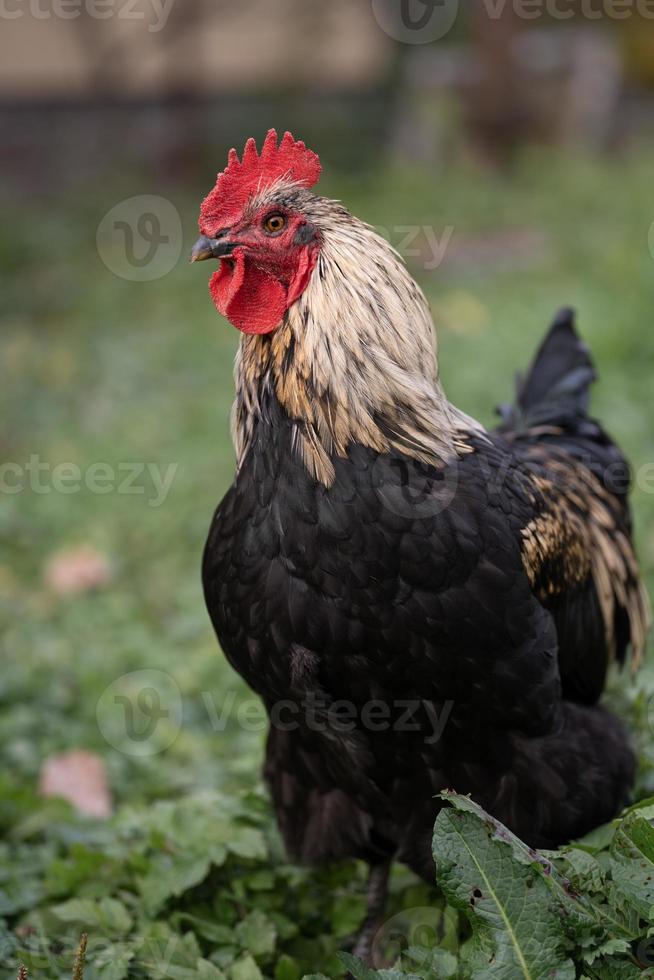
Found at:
(211, 248)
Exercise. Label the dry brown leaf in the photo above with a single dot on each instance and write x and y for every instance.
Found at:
(76, 570)
(80, 778)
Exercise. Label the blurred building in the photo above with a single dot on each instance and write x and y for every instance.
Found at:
(140, 49)
(160, 79)
(164, 82)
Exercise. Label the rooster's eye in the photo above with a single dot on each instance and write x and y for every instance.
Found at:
(274, 223)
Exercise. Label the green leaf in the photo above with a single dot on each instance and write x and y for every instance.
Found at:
(256, 933)
(245, 969)
(111, 962)
(165, 954)
(612, 969)
(437, 964)
(347, 914)
(171, 876)
(247, 842)
(20, 895)
(360, 971)
(108, 917)
(263, 880)
(582, 869)
(81, 865)
(632, 862)
(287, 968)
(614, 915)
(507, 892)
(208, 971)
(285, 928)
(216, 933)
(599, 839)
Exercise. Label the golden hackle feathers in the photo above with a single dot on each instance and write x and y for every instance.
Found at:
(579, 532)
(363, 365)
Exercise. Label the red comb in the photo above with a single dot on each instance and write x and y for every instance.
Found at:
(243, 178)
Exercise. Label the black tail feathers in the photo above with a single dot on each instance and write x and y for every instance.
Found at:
(556, 389)
(552, 405)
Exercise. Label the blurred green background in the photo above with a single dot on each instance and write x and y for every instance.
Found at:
(99, 368)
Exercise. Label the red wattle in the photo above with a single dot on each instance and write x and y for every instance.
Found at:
(226, 281)
(253, 299)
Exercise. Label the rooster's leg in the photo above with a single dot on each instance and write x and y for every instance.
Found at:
(377, 891)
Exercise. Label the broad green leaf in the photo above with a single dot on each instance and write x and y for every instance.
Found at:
(347, 915)
(599, 839)
(256, 934)
(644, 808)
(164, 953)
(611, 969)
(287, 968)
(581, 868)
(263, 880)
(216, 933)
(208, 971)
(112, 962)
(436, 964)
(617, 919)
(225, 956)
(245, 969)
(171, 876)
(106, 918)
(248, 842)
(285, 928)
(632, 862)
(20, 894)
(360, 971)
(506, 893)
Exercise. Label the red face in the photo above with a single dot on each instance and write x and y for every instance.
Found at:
(266, 261)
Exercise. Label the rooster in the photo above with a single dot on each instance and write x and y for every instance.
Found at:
(420, 603)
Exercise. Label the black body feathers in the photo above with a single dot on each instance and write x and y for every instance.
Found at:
(414, 628)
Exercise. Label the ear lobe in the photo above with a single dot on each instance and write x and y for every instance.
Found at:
(300, 281)
(226, 282)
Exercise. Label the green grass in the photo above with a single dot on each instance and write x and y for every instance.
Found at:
(99, 369)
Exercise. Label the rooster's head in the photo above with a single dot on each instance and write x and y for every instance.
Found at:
(335, 330)
(253, 222)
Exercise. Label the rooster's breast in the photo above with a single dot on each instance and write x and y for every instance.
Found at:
(394, 582)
